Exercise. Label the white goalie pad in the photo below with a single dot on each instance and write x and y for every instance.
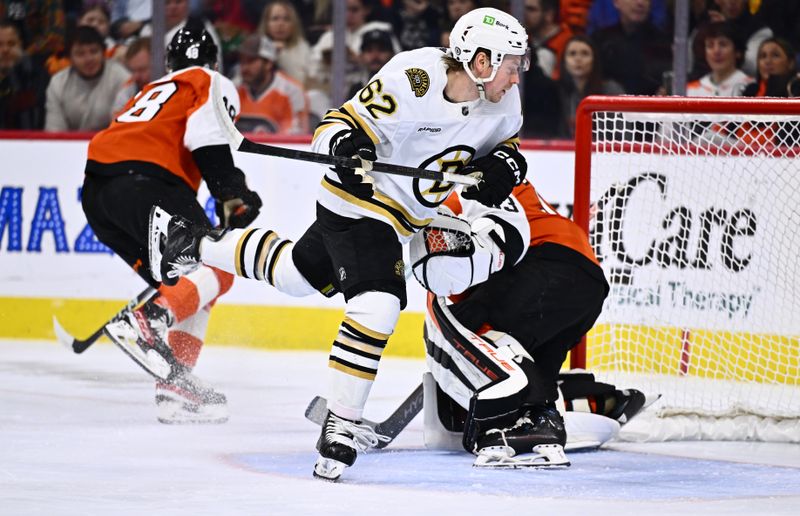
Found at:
(465, 363)
(585, 430)
(449, 256)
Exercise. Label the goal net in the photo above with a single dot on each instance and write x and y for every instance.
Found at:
(693, 209)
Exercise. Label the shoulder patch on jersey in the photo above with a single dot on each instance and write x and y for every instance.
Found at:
(419, 79)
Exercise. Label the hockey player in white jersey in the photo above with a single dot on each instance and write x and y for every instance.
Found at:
(456, 110)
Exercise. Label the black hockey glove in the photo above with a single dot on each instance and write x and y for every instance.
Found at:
(238, 206)
(502, 169)
(354, 143)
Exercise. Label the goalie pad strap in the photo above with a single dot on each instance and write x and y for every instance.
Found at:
(513, 245)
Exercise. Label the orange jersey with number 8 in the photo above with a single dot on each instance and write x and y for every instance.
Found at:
(165, 122)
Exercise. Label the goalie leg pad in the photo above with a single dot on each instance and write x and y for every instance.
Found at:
(482, 373)
(443, 418)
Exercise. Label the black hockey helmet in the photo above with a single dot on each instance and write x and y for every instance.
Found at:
(191, 47)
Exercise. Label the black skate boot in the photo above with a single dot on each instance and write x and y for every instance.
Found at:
(174, 245)
(142, 335)
(537, 439)
(338, 443)
(183, 398)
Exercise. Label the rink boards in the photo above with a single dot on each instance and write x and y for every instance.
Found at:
(51, 264)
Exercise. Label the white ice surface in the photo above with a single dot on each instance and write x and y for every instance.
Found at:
(78, 435)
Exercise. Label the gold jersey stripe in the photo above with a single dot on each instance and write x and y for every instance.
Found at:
(512, 142)
(322, 127)
(366, 331)
(350, 109)
(263, 252)
(238, 259)
(383, 212)
(367, 348)
(400, 225)
(352, 372)
(334, 116)
(274, 262)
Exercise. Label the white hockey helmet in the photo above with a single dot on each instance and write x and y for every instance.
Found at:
(493, 30)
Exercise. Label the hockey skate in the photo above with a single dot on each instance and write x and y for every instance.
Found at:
(142, 335)
(536, 440)
(174, 246)
(339, 443)
(184, 399)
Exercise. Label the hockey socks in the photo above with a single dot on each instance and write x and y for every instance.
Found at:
(259, 254)
(369, 320)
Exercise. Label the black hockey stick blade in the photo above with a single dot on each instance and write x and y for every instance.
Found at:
(81, 345)
(242, 144)
(390, 427)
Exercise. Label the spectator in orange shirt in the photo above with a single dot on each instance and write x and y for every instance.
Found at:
(272, 102)
(547, 36)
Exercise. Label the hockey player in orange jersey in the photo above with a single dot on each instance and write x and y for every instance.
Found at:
(164, 142)
(525, 285)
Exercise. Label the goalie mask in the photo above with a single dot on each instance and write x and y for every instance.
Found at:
(448, 257)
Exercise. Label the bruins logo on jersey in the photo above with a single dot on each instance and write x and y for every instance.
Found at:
(420, 82)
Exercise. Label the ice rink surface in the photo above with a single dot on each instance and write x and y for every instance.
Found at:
(78, 435)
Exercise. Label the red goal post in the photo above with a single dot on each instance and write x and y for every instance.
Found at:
(693, 207)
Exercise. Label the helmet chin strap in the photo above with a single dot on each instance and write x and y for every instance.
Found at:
(480, 83)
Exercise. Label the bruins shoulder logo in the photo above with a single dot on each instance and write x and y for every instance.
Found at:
(420, 82)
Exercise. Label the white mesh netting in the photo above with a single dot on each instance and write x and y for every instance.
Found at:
(695, 220)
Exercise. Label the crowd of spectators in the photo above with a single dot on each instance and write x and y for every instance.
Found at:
(70, 65)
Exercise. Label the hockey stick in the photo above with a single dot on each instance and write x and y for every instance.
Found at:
(242, 144)
(390, 427)
(81, 345)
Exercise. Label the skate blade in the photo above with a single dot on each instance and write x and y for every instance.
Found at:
(157, 226)
(544, 456)
(328, 469)
(176, 412)
(124, 336)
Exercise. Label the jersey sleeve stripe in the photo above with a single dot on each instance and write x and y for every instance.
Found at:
(512, 142)
(322, 127)
(350, 110)
(387, 208)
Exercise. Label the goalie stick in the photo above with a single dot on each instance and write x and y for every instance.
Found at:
(242, 144)
(390, 427)
(81, 345)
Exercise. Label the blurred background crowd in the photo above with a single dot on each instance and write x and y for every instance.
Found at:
(70, 65)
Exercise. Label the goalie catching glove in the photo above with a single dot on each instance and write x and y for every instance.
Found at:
(449, 255)
(354, 143)
(501, 170)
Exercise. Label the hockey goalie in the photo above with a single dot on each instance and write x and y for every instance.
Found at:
(512, 288)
